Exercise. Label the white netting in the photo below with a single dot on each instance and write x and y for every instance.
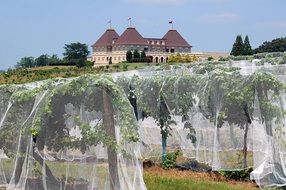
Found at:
(69, 135)
(82, 133)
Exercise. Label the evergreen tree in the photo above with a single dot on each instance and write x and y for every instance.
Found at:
(247, 46)
(129, 56)
(136, 55)
(143, 56)
(238, 46)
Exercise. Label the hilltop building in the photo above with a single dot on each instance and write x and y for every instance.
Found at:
(111, 46)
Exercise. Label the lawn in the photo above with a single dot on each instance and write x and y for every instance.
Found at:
(158, 179)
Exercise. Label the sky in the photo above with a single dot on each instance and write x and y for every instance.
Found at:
(35, 27)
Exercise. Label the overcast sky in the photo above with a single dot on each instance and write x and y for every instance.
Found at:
(35, 27)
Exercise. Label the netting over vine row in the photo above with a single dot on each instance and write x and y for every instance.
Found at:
(93, 132)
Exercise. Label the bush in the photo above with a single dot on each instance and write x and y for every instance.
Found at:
(243, 175)
(89, 64)
(125, 67)
(171, 158)
(80, 63)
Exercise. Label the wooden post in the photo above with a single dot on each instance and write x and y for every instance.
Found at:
(108, 120)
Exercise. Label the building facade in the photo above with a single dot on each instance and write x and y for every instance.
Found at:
(111, 46)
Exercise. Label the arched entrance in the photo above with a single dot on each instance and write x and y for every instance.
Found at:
(156, 60)
(162, 60)
(150, 59)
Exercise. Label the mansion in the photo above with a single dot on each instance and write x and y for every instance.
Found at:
(111, 46)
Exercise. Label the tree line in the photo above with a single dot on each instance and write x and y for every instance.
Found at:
(276, 45)
(74, 54)
(136, 56)
(241, 47)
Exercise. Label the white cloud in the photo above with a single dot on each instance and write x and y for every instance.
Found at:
(222, 17)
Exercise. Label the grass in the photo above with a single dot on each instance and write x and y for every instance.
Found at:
(154, 182)
(157, 178)
(19, 76)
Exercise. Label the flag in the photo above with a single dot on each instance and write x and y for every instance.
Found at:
(170, 22)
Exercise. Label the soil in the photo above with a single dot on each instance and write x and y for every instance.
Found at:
(187, 174)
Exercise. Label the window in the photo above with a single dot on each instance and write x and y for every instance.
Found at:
(119, 58)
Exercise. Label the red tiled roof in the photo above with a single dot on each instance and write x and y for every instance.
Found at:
(131, 37)
(107, 38)
(174, 38)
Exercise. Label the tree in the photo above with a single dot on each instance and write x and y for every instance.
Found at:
(55, 60)
(247, 46)
(276, 45)
(42, 60)
(129, 56)
(238, 46)
(75, 51)
(136, 56)
(26, 62)
(143, 56)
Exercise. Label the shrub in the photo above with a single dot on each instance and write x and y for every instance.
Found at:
(243, 174)
(171, 158)
(125, 67)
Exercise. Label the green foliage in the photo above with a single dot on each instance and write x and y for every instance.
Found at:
(247, 46)
(129, 56)
(136, 56)
(26, 62)
(159, 182)
(42, 60)
(143, 57)
(241, 175)
(75, 51)
(238, 47)
(80, 62)
(210, 58)
(125, 66)
(276, 45)
(170, 161)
